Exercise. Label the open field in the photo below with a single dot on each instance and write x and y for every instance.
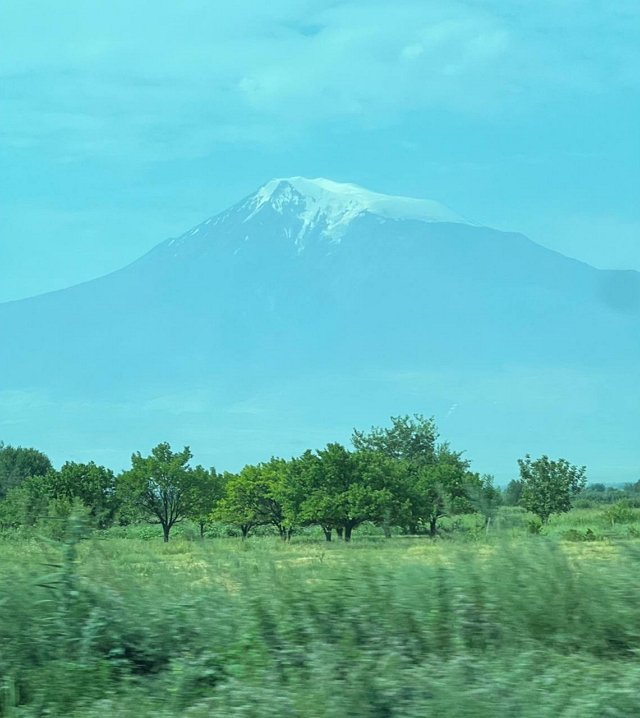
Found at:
(482, 625)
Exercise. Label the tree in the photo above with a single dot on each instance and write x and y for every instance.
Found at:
(410, 442)
(597, 488)
(236, 506)
(162, 485)
(633, 488)
(210, 490)
(513, 493)
(344, 489)
(434, 479)
(442, 488)
(26, 503)
(548, 486)
(275, 500)
(305, 478)
(485, 498)
(57, 492)
(18, 464)
(409, 438)
(93, 485)
(255, 497)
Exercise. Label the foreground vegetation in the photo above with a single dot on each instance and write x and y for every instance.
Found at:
(455, 598)
(479, 624)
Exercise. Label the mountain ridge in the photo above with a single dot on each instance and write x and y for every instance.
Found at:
(258, 199)
(398, 316)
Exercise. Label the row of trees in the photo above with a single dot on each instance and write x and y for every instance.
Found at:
(399, 477)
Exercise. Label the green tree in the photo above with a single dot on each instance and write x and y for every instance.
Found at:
(57, 492)
(409, 438)
(442, 488)
(236, 507)
(619, 513)
(434, 479)
(304, 477)
(210, 490)
(513, 493)
(411, 442)
(162, 486)
(596, 488)
(549, 486)
(485, 498)
(255, 497)
(93, 485)
(25, 504)
(344, 489)
(18, 464)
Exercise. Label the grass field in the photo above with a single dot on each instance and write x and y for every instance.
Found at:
(473, 624)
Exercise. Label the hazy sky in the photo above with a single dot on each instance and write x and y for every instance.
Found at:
(123, 123)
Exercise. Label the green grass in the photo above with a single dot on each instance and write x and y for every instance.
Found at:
(504, 624)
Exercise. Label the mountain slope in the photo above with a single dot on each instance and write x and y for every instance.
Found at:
(311, 306)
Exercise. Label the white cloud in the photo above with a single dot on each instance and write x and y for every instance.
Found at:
(159, 78)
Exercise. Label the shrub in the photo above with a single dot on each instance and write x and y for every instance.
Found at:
(534, 525)
(619, 513)
(576, 535)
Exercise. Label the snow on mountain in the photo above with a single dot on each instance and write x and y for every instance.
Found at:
(324, 208)
(334, 205)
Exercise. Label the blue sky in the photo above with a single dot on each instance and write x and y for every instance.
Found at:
(122, 124)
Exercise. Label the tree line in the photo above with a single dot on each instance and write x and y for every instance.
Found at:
(399, 477)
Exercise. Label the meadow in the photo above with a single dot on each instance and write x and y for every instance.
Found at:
(476, 623)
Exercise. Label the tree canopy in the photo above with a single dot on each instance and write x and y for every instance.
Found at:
(18, 463)
(163, 486)
(343, 489)
(548, 486)
(398, 477)
(409, 438)
(254, 497)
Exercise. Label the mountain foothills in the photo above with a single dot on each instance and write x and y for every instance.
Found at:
(312, 307)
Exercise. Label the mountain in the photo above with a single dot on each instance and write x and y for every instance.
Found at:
(311, 307)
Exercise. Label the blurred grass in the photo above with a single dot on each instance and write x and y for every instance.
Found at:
(474, 624)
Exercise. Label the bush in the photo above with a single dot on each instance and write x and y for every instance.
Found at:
(619, 513)
(534, 525)
(576, 535)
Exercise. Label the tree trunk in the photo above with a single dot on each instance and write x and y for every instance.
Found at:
(327, 534)
(245, 531)
(285, 533)
(340, 532)
(202, 524)
(433, 529)
(347, 532)
(387, 530)
(165, 532)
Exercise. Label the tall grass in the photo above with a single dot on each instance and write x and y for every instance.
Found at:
(405, 628)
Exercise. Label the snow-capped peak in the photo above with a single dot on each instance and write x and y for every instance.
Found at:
(331, 206)
(315, 208)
